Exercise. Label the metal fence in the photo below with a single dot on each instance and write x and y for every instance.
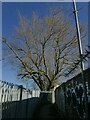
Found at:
(69, 97)
(10, 92)
(19, 102)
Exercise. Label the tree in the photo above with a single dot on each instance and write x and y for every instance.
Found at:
(45, 48)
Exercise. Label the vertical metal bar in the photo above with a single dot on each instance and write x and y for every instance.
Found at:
(0, 100)
(89, 45)
(26, 105)
(81, 57)
(21, 87)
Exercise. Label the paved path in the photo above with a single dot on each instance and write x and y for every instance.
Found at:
(47, 111)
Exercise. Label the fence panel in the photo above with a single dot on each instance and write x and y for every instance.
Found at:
(70, 96)
(19, 102)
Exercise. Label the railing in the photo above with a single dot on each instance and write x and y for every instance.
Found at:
(19, 102)
(10, 92)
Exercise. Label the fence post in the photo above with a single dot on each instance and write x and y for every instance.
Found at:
(0, 110)
(89, 80)
(21, 88)
(53, 96)
(64, 89)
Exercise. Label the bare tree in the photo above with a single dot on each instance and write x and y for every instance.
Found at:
(45, 48)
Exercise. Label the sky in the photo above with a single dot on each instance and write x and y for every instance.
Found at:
(10, 21)
(44, 0)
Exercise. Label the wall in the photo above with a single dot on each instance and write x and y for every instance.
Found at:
(15, 100)
(25, 108)
(20, 109)
(60, 98)
(70, 95)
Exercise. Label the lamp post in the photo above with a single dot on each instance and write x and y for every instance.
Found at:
(81, 57)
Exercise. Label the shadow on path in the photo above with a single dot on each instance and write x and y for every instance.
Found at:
(47, 110)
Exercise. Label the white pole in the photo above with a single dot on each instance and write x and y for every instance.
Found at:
(81, 56)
